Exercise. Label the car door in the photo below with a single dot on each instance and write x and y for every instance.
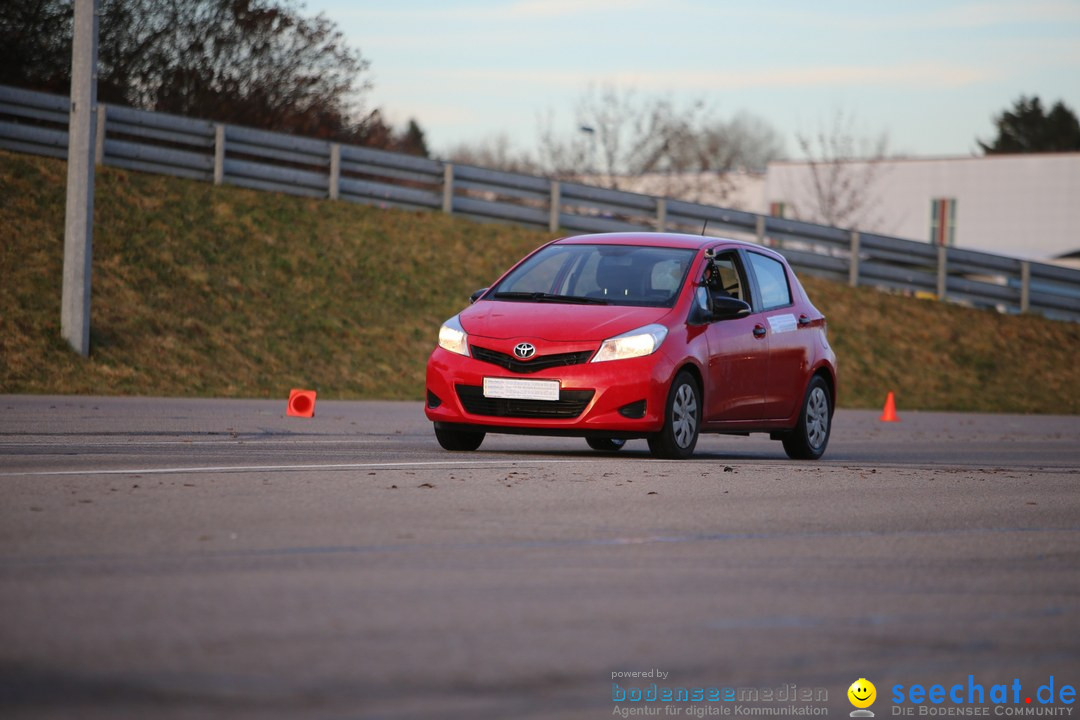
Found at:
(738, 352)
(789, 354)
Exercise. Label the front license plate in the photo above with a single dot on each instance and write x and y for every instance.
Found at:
(511, 389)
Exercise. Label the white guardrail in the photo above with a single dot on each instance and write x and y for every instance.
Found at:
(34, 122)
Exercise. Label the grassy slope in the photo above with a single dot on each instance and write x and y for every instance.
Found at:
(202, 291)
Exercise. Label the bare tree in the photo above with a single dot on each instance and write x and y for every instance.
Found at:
(619, 134)
(746, 142)
(844, 169)
(703, 160)
(262, 63)
(496, 152)
(622, 139)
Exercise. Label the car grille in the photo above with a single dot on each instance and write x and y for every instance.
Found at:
(570, 404)
(535, 364)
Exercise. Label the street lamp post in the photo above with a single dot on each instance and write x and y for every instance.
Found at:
(590, 168)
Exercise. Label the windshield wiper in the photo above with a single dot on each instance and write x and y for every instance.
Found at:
(549, 297)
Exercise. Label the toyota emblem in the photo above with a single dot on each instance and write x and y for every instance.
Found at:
(524, 350)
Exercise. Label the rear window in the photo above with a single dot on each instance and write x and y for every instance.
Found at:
(616, 274)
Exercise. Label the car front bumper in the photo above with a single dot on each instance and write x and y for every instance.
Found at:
(619, 398)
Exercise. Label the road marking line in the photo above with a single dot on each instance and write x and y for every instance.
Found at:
(272, 468)
(90, 440)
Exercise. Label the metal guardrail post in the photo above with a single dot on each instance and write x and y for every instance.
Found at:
(1025, 286)
(942, 272)
(335, 170)
(555, 206)
(760, 230)
(99, 141)
(661, 214)
(219, 153)
(448, 188)
(853, 267)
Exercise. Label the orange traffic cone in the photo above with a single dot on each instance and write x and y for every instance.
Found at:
(889, 413)
(301, 403)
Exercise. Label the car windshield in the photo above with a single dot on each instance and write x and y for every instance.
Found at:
(600, 274)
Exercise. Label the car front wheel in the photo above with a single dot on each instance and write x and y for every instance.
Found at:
(682, 420)
(807, 441)
(458, 440)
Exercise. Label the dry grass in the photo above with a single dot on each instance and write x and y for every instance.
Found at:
(940, 356)
(218, 291)
(205, 291)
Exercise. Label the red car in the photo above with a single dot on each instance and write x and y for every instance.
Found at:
(637, 335)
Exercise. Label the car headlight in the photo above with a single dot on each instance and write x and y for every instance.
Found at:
(452, 337)
(636, 343)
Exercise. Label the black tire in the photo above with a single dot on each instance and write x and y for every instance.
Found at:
(606, 444)
(458, 440)
(808, 440)
(682, 420)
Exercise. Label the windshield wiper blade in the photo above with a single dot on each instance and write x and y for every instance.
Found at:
(549, 297)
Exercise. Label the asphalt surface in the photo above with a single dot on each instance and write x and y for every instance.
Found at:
(206, 558)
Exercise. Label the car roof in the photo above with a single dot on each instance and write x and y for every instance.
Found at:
(652, 239)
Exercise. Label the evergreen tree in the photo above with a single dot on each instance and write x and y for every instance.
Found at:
(1026, 128)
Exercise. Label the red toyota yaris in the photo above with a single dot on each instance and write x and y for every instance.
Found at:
(637, 335)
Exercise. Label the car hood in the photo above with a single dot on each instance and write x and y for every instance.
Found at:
(555, 322)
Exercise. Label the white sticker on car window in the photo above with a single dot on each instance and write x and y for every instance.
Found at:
(782, 323)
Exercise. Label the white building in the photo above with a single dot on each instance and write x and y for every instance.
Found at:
(1020, 205)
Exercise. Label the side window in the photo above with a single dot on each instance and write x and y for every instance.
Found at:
(772, 280)
(730, 277)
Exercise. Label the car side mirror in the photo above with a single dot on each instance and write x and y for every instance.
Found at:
(725, 307)
(476, 295)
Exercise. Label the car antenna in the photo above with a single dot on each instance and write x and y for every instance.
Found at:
(704, 226)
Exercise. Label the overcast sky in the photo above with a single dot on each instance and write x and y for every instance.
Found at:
(930, 74)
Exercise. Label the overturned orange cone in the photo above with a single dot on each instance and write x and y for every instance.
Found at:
(301, 403)
(889, 413)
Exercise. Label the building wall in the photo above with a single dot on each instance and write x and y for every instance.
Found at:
(1021, 205)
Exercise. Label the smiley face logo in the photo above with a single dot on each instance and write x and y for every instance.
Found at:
(862, 693)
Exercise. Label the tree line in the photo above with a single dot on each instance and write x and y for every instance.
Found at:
(264, 64)
(259, 63)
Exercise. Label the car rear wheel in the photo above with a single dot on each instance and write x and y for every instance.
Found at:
(682, 420)
(606, 444)
(811, 436)
(458, 440)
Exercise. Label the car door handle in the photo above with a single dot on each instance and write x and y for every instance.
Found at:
(759, 331)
